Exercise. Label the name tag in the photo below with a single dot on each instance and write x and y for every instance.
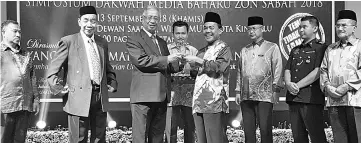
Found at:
(308, 52)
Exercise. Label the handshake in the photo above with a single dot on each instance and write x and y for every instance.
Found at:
(183, 58)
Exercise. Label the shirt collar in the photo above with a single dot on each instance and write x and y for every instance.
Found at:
(86, 38)
(4, 46)
(352, 42)
(259, 43)
(149, 34)
(308, 43)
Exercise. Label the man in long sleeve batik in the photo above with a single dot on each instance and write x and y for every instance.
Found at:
(180, 105)
(258, 80)
(340, 80)
(304, 97)
(211, 91)
(18, 90)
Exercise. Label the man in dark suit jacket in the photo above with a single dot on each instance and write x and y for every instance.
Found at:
(150, 88)
(88, 78)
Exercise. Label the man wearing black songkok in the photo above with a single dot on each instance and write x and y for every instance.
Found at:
(211, 91)
(340, 80)
(258, 79)
(88, 79)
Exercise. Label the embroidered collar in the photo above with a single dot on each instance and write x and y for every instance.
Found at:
(5, 47)
(259, 43)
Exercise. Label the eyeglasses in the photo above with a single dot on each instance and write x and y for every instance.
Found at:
(149, 18)
(249, 29)
(342, 25)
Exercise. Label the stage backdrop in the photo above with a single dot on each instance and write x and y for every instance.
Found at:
(43, 23)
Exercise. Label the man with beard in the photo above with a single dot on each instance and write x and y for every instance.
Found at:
(341, 80)
(258, 79)
(88, 79)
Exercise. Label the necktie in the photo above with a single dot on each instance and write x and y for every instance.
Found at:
(156, 43)
(95, 62)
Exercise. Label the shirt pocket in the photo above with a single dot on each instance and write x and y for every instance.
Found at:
(310, 58)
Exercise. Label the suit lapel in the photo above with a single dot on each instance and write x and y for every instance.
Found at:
(101, 55)
(162, 46)
(150, 42)
(82, 52)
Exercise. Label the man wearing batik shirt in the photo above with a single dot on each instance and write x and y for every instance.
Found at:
(180, 105)
(258, 80)
(340, 80)
(19, 96)
(304, 97)
(211, 90)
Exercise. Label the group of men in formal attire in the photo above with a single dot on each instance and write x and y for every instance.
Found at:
(178, 81)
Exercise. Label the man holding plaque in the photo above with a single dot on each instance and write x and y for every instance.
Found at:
(180, 105)
(211, 90)
(150, 88)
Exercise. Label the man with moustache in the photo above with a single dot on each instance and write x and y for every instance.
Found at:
(180, 105)
(88, 79)
(211, 91)
(304, 97)
(151, 77)
(341, 80)
(258, 82)
(18, 91)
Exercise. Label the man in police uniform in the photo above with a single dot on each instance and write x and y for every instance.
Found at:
(304, 97)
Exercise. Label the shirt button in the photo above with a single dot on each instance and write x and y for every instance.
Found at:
(295, 77)
(77, 71)
(296, 70)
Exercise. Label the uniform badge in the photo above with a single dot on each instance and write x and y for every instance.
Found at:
(308, 60)
(297, 51)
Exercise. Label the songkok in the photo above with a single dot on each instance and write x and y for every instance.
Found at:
(254, 20)
(212, 17)
(87, 10)
(347, 14)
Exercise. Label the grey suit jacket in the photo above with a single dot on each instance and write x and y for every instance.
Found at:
(151, 77)
(71, 57)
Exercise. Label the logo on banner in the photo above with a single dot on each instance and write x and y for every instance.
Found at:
(289, 36)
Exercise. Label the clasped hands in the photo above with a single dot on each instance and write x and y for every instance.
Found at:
(337, 92)
(184, 57)
(330, 90)
(292, 88)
